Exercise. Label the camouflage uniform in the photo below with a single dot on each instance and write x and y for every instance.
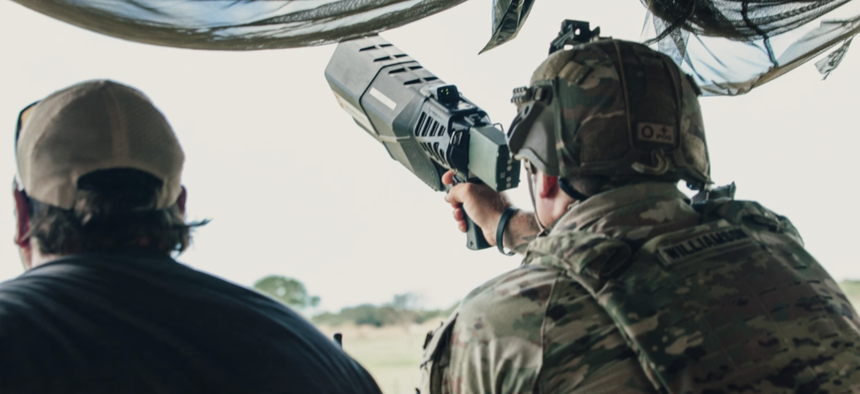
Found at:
(753, 313)
(635, 289)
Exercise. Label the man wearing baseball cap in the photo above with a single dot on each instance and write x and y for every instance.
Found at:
(103, 307)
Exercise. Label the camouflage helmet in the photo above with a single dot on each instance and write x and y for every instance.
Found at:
(611, 108)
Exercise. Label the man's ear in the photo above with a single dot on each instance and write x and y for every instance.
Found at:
(180, 201)
(22, 217)
(549, 186)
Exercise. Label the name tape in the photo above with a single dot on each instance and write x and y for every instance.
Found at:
(702, 243)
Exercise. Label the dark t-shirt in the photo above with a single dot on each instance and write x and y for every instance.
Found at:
(137, 321)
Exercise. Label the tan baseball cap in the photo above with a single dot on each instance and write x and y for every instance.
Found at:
(91, 126)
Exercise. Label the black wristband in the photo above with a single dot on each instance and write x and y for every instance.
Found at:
(500, 230)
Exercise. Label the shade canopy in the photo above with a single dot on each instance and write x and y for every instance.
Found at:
(729, 46)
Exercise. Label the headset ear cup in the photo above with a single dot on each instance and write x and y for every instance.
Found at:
(532, 136)
(519, 129)
(540, 143)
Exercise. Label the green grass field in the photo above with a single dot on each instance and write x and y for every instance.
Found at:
(391, 354)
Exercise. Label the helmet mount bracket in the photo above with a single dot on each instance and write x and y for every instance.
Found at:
(573, 33)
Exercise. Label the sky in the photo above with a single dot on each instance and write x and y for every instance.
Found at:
(293, 187)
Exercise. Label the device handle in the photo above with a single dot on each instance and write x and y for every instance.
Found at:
(474, 235)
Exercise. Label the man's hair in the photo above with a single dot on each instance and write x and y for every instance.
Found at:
(113, 208)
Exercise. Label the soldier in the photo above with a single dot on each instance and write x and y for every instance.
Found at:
(627, 285)
(102, 307)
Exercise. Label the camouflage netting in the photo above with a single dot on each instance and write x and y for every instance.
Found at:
(730, 46)
(238, 25)
(738, 19)
(766, 38)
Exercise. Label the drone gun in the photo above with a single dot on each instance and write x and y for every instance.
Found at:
(425, 124)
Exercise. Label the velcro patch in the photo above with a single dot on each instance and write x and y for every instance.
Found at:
(699, 244)
(653, 132)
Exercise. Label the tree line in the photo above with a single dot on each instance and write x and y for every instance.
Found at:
(403, 309)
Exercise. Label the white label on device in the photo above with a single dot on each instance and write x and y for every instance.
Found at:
(383, 98)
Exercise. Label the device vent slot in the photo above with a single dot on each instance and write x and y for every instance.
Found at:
(426, 127)
(434, 150)
(429, 126)
(438, 152)
(397, 71)
(427, 148)
(421, 120)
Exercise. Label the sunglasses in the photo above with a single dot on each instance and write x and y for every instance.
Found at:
(23, 116)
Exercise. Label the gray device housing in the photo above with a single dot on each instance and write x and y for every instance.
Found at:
(423, 123)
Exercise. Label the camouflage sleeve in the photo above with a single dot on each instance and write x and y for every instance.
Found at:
(535, 330)
(496, 343)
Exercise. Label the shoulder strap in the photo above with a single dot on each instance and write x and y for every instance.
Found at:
(749, 214)
(590, 258)
(437, 351)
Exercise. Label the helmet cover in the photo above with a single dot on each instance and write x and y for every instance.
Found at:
(611, 108)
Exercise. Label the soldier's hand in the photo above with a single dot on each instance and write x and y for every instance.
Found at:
(484, 205)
